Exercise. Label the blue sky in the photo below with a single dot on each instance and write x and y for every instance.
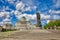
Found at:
(12, 10)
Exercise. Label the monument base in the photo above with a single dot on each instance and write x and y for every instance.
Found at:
(38, 28)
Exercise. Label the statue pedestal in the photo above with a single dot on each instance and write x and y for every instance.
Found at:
(38, 28)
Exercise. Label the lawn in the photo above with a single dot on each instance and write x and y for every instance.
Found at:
(6, 34)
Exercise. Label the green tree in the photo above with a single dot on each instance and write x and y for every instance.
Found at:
(52, 24)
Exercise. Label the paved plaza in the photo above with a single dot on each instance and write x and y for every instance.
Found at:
(34, 35)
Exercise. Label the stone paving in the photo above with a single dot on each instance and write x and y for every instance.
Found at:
(34, 35)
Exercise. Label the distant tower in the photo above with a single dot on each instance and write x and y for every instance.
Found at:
(38, 20)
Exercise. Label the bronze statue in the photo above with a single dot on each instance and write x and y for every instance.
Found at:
(38, 20)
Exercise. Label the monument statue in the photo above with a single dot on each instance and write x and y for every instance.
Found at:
(38, 20)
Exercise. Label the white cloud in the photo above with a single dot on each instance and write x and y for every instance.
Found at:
(11, 1)
(20, 6)
(54, 12)
(57, 4)
(33, 17)
(17, 14)
(12, 12)
(7, 16)
(7, 8)
(28, 16)
(6, 20)
(56, 17)
(1, 23)
(43, 16)
(35, 7)
(3, 13)
(28, 9)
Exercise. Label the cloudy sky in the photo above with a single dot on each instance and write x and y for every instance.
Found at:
(12, 10)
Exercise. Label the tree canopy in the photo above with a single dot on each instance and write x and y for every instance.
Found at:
(53, 23)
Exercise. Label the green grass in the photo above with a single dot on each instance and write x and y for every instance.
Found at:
(58, 28)
(5, 30)
(2, 34)
(5, 33)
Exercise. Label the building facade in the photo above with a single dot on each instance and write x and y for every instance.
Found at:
(22, 24)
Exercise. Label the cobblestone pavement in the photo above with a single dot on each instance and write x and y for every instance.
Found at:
(34, 35)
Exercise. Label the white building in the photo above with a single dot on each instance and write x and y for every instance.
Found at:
(22, 24)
